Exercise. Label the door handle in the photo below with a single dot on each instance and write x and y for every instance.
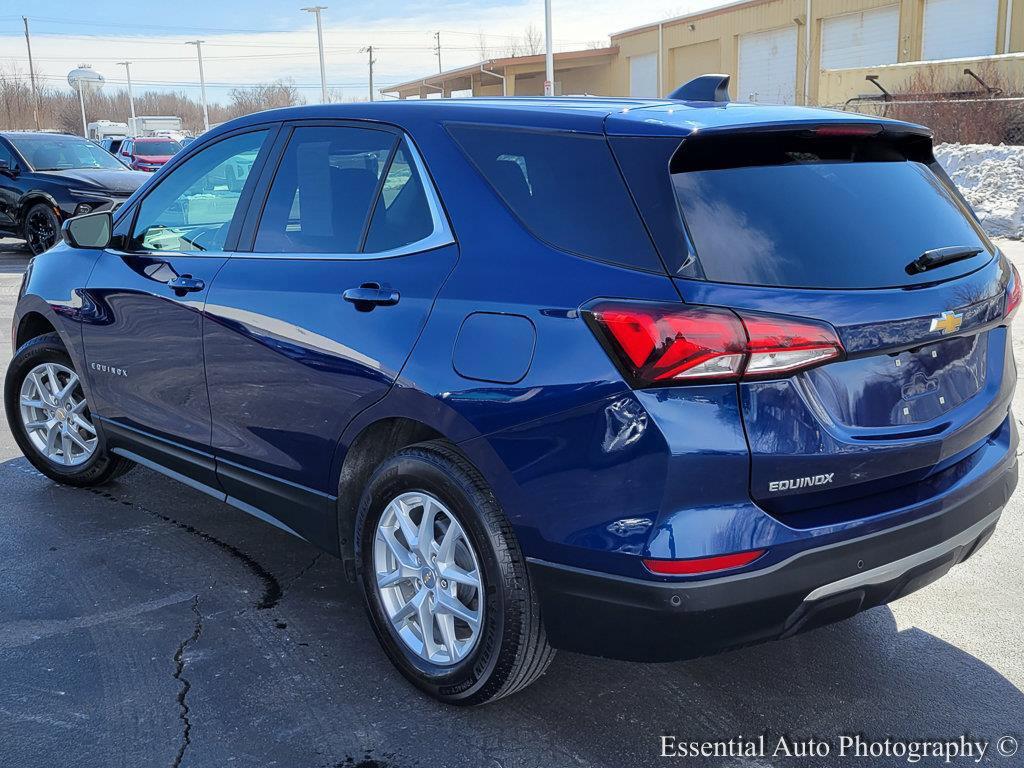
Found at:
(183, 284)
(370, 295)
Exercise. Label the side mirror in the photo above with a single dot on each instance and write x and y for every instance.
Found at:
(7, 170)
(90, 231)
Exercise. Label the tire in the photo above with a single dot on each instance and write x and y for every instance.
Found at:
(511, 649)
(82, 469)
(41, 228)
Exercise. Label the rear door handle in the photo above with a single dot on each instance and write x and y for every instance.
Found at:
(183, 284)
(370, 295)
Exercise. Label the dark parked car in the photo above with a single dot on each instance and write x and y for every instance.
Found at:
(644, 379)
(147, 154)
(46, 178)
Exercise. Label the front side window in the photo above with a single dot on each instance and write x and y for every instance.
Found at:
(192, 208)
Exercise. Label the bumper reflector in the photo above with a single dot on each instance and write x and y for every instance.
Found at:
(703, 564)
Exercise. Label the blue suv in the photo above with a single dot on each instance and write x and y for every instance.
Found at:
(641, 379)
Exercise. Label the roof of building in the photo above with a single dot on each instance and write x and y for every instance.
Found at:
(508, 61)
(706, 13)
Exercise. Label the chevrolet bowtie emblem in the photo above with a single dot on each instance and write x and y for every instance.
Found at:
(950, 322)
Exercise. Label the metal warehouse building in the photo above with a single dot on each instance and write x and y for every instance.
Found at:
(781, 51)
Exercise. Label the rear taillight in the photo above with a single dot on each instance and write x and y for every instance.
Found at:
(1013, 293)
(657, 344)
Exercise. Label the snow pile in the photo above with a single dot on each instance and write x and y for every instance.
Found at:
(992, 180)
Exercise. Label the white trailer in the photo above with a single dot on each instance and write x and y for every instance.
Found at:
(107, 129)
(155, 125)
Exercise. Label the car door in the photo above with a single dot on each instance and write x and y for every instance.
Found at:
(349, 247)
(143, 306)
(10, 190)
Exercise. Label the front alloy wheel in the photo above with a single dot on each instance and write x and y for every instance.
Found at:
(42, 228)
(50, 417)
(56, 416)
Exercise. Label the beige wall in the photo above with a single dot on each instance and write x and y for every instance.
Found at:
(687, 52)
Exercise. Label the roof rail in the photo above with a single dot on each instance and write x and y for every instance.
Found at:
(704, 88)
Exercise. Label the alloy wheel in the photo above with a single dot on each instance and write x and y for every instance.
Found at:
(56, 416)
(42, 230)
(428, 578)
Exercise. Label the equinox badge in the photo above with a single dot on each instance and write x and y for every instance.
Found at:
(800, 482)
(950, 322)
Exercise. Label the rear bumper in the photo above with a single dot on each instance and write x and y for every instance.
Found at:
(638, 620)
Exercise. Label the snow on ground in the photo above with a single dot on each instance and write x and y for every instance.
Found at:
(992, 180)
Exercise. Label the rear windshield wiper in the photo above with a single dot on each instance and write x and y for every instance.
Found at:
(939, 257)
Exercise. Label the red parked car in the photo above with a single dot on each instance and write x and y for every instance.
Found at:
(147, 154)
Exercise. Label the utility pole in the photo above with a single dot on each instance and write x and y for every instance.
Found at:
(549, 58)
(437, 49)
(202, 81)
(32, 75)
(315, 10)
(131, 98)
(369, 50)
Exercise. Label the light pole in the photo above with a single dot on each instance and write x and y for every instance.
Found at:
(315, 10)
(549, 57)
(31, 75)
(81, 103)
(131, 99)
(202, 81)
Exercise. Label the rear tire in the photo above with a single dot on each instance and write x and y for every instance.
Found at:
(510, 650)
(88, 462)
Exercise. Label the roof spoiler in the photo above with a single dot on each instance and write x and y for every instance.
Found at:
(704, 88)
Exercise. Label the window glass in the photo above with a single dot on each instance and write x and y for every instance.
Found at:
(54, 152)
(565, 188)
(321, 195)
(192, 208)
(402, 214)
(7, 156)
(837, 225)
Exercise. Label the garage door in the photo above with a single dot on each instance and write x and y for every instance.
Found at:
(643, 76)
(768, 66)
(866, 39)
(957, 28)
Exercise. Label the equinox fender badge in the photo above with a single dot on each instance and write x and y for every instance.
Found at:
(800, 482)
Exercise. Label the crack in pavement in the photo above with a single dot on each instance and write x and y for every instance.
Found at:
(272, 592)
(186, 685)
(295, 579)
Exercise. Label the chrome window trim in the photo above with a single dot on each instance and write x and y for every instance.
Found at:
(438, 238)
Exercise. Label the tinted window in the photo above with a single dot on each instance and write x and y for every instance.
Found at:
(823, 224)
(565, 187)
(192, 208)
(53, 152)
(164, 147)
(402, 214)
(7, 156)
(320, 198)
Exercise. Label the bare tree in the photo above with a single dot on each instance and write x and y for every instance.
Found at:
(531, 42)
(280, 93)
(481, 45)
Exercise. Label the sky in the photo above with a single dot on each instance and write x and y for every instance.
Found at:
(257, 41)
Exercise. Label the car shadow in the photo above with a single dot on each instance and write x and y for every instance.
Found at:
(300, 680)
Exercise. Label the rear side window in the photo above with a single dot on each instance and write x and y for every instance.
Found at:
(325, 184)
(402, 213)
(565, 188)
(818, 213)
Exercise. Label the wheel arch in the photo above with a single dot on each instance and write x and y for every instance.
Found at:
(32, 325)
(34, 197)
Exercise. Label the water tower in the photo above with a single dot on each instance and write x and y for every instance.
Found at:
(85, 79)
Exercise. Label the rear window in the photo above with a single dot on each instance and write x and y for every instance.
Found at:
(819, 214)
(565, 188)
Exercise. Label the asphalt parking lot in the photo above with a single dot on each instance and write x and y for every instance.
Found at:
(144, 624)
